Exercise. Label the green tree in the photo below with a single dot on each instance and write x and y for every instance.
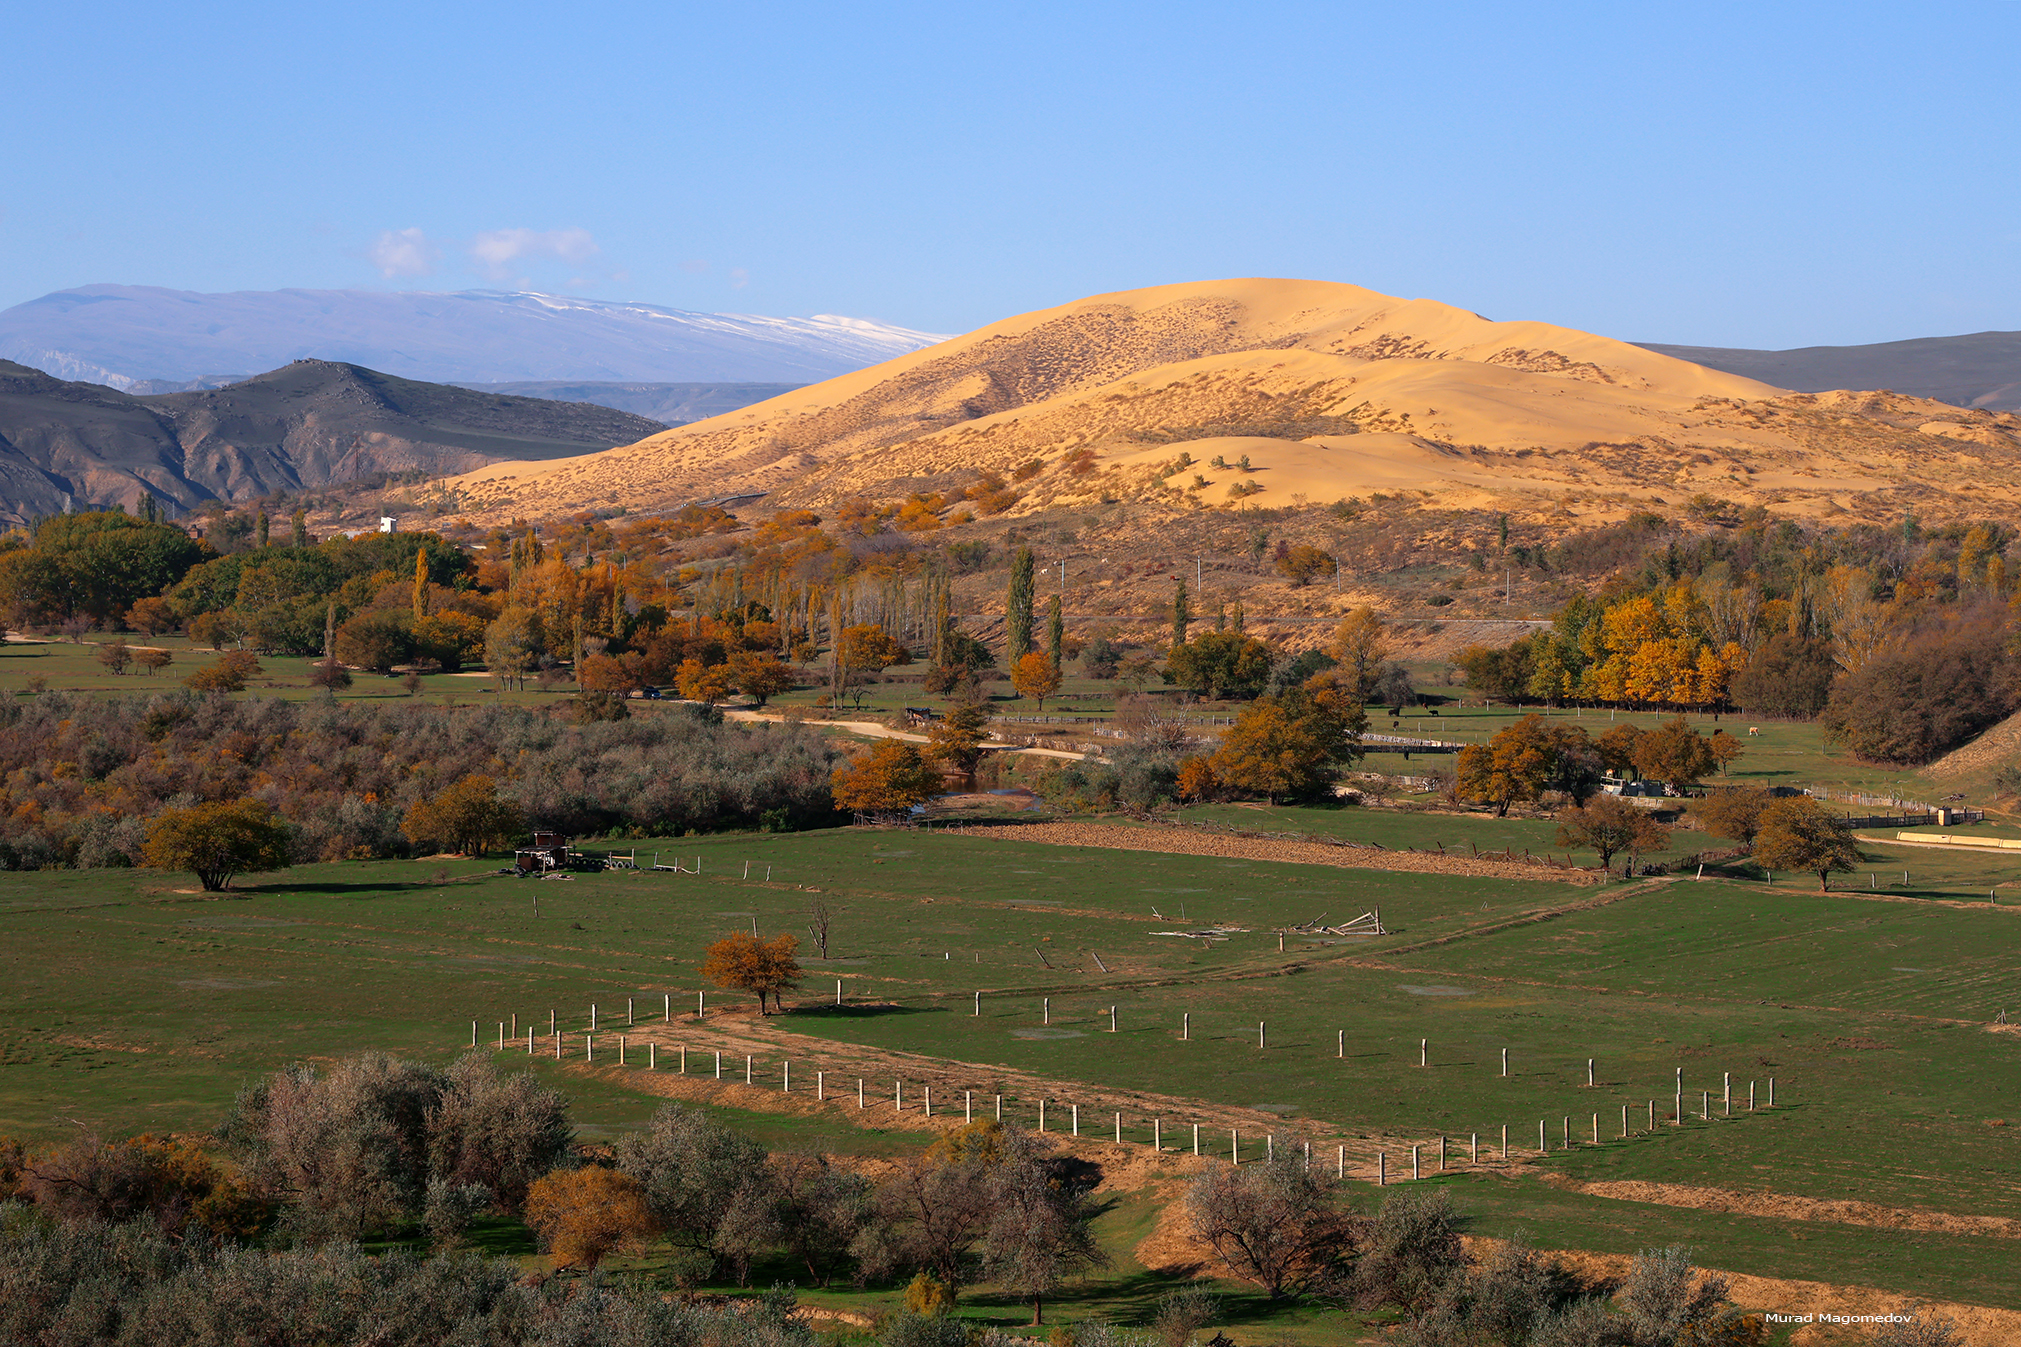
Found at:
(1217, 664)
(217, 841)
(1018, 607)
(1056, 632)
(1182, 614)
(957, 738)
(1040, 1232)
(1798, 833)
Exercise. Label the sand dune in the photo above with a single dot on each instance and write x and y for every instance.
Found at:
(1106, 392)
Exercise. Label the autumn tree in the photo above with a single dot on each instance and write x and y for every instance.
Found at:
(704, 683)
(1305, 563)
(377, 639)
(1733, 814)
(115, 655)
(957, 738)
(229, 674)
(513, 644)
(1523, 761)
(217, 841)
(1798, 833)
(764, 968)
(1726, 750)
(151, 616)
(466, 816)
(1290, 744)
(863, 649)
(1359, 646)
(1036, 676)
(887, 781)
(1617, 747)
(1675, 753)
(581, 1215)
(1608, 826)
(759, 676)
(153, 658)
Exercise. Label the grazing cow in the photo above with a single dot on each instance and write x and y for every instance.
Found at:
(1754, 729)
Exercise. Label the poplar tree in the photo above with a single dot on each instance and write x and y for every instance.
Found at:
(1182, 614)
(1018, 608)
(1056, 631)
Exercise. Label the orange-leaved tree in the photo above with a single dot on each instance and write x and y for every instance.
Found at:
(583, 1214)
(891, 779)
(467, 816)
(706, 683)
(1036, 676)
(764, 968)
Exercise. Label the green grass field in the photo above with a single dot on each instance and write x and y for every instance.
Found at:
(133, 1004)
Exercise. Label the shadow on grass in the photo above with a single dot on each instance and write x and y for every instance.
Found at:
(860, 1012)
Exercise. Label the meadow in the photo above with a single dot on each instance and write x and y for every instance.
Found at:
(135, 1004)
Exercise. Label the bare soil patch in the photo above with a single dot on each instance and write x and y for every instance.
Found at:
(1115, 837)
(1786, 1207)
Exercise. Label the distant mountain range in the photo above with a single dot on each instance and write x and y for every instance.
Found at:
(146, 339)
(311, 423)
(669, 404)
(1979, 370)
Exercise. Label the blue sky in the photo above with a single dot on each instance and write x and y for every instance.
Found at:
(1752, 175)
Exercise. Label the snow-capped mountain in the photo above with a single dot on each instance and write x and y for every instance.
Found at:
(123, 335)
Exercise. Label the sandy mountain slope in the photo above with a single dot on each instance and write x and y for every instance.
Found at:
(1330, 390)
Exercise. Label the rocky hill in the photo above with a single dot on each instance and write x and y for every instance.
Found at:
(310, 424)
(1282, 392)
(1982, 369)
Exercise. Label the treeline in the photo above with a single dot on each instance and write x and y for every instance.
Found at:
(1903, 657)
(248, 1237)
(83, 777)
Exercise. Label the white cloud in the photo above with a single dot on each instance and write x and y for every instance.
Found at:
(496, 250)
(739, 278)
(403, 252)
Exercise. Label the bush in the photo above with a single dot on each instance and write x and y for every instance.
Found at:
(1910, 706)
(1410, 1251)
(583, 1214)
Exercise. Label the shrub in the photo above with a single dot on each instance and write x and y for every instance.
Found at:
(1275, 1225)
(467, 817)
(583, 1214)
